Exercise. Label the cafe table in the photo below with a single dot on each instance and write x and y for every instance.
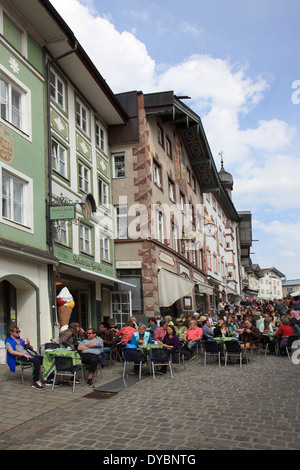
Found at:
(48, 360)
(222, 340)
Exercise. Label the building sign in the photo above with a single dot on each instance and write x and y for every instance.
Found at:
(62, 212)
(6, 145)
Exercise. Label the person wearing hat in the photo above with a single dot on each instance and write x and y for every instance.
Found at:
(180, 328)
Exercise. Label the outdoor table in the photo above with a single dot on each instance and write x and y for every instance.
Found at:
(48, 361)
(222, 340)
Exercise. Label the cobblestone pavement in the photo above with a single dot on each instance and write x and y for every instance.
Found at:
(211, 408)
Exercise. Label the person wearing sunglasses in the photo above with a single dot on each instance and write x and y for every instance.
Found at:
(17, 348)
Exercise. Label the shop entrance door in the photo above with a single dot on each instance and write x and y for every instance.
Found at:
(121, 307)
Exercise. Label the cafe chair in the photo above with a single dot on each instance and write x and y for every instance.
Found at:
(211, 348)
(265, 343)
(233, 348)
(64, 367)
(160, 357)
(289, 344)
(131, 355)
(23, 366)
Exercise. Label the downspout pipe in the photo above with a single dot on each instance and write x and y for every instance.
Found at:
(49, 167)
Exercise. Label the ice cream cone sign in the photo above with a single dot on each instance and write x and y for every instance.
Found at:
(65, 305)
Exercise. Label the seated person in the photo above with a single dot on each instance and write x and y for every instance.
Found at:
(192, 336)
(17, 348)
(72, 336)
(126, 332)
(153, 325)
(284, 331)
(109, 340)
(221, 330)
(250, 334)
(160, 332)
(171, 342)
(180, 328)
(295, 327)
(206, 330)
(141, 337)
(90, 350)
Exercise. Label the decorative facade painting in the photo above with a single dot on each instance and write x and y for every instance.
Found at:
(179, 163)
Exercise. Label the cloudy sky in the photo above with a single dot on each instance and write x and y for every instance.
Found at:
(239, 63)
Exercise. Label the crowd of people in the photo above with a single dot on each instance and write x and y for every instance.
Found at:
(246, 322)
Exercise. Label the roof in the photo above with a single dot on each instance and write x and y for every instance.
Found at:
(292, 282)
(278, 273)
(50, 30)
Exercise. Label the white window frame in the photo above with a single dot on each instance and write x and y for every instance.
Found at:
(171, 190)
(105, 248)
(157, 174)
(160, 226)
(27, 203)
(84, 177)
(60, 158)
(82, 116)
(100, 137)
(61, 234)
(25, 127)
(103, 193)
(58, 96)
(85, 239)
(122, 222)
(121, 171)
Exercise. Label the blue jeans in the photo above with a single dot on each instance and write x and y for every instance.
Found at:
(192, 346)
(103, 355)
(37, 362)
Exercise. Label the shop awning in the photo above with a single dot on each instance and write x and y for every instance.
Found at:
(172, 287)
(295, 294)
(205, 289)
(101, 276)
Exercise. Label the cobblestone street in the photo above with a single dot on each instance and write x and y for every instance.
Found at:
(212, 408)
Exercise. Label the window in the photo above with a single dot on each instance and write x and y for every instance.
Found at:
(157, 174)
(61, 233)
(168, 147)
(175, 238)
(82, 114)
(118, 166)
(100, 137)
(171, 190)
(85, 239)
(84, 177)
(159, 227)
(59, 158)
(105, 248)
(160, 135)
(122, 222)
(188, 175)
(11, 102)
(182, 203)
(193, 183)
(103, 193)
(57, 90)
(13, 199)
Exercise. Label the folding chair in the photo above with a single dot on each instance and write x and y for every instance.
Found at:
(233, 348)
(289, 344)
(160, 357)
(23, 366)
(64, 366)
(211, 348)
(132, 355)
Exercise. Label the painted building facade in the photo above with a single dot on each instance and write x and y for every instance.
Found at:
(164, 187)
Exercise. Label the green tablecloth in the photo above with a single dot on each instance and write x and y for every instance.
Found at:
(48, 362)
(221, 340)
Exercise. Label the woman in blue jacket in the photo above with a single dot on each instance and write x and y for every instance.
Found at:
(141, 337)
